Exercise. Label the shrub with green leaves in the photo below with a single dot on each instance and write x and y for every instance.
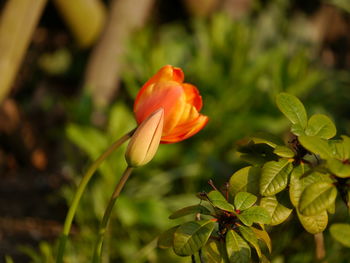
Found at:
(223, 229)
(308, 164)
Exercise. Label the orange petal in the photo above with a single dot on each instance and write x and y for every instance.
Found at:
(166, 73)
(192, 95)
(185, 131)
(166, 95)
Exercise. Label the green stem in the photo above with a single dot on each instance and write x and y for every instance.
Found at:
(103, 225)
(81, 188)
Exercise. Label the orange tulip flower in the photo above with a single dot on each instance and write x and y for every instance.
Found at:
(181, 103)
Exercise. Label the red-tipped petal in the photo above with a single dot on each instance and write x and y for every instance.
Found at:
(185, 131)
(166, 73)
(192, 96)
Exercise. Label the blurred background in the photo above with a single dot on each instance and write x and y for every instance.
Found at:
(70, 70)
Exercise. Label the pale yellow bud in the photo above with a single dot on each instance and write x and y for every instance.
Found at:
(145, 141)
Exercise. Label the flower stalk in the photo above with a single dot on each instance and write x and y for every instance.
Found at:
(107, 214)
(141, 149)
(81, 188)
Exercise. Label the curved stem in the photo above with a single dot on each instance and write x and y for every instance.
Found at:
(103, 225)
(81, 188)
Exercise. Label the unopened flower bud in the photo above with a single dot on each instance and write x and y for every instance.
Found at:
(145, 141)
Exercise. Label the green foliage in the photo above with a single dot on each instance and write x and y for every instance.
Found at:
(278, 212)
(292, 108)
(191, 236)
(44, 255)
(230, 225)
(244, 200)
(219, 201)
(238, 249)
(190, 210)
(313, 166)
(245, 180)
(341, 233)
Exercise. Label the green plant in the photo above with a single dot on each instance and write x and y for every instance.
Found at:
(310, 166)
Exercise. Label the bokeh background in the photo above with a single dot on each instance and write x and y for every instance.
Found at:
(70, 70)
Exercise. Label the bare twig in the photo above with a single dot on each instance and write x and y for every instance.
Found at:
(319, 249)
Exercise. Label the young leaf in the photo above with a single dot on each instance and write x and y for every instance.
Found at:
(245, 180)
(284, 151)
(338, 168)
(314, 224)
(316, 198)
(219, 201)
(346, 147)
(255, 214)
(264, 236)
(321, 126)
(331, 208)
(244, 200)
(194, 209)
(249, 235)
(292, 108)
(341, 233)
(191, 236)
(268, 139)
(165, 240)
(295, 185)
(297, 130)
(213, 252)
(299, 181)
(316, 145)
(238, 250)
(274, 177)
(278, 212)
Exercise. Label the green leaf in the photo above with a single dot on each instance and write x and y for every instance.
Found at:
(268, 139)
(213, 252)
(314, 224)
(255, 214)
(297, 130)
(274, 177)
(331, 208)
(192, 236)
(219, 201)
(346, 147)
(264, 236)
(238, 250)
(83, 136)
(165, 240)
(256, 154)
(316, 145)
(295, 185)
(283, 151)
(321, 126)
(249, 235)
(341, 233)
(292, 108)
(338, 168)
(278, 212)
(245, 180)
(244, 200)
(316, 198)
(194, 209)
